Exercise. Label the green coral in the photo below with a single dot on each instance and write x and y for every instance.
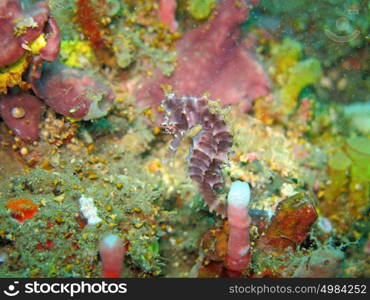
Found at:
(358, 149)
(64, 13)
(134, 42)
(330, 30)
(286, 54)
(201, 9)
(304, 73)
(349, 181)
(124, 49)
(76, 53)
(290, 73)
(358, 115)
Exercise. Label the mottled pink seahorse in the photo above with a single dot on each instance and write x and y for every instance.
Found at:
(210, 146)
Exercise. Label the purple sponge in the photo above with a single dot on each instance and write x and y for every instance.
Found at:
(22, 114)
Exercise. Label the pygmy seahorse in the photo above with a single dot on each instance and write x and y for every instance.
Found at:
(210, 146)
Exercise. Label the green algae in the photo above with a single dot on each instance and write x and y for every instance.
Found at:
(302, 74)
(200, 9)
(74, 248)
(358, 150)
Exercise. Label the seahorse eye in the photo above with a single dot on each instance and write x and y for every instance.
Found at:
(169, 128)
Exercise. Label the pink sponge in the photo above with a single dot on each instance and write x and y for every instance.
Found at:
(112, 252)
(71, 92)
(212, 59)
(166, 13)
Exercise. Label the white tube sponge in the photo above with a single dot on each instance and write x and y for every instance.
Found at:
(238, 249)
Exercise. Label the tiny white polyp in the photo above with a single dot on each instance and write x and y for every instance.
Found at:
(239, 194)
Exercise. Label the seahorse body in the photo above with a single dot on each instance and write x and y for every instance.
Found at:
(210, 146)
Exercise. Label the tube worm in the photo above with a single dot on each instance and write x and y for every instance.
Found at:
(238, 248)
(112, 253)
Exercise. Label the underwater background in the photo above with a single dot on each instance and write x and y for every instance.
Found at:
(184, 138)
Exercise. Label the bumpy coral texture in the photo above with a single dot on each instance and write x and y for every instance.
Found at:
(212, 58)
(210, 146)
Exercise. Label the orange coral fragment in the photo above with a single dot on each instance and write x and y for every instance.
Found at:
(22, 209)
